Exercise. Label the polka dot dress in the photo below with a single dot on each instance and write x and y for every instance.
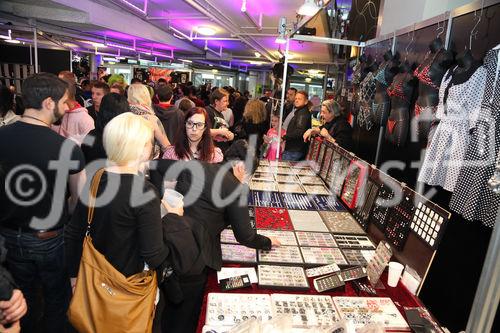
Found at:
(472, 197)
(446, 152)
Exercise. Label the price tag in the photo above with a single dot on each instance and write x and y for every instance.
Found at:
(350, 95)
(343, 92)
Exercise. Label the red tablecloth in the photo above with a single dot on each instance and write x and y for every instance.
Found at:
(399, 295)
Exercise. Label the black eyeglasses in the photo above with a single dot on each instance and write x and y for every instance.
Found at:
(198, 126)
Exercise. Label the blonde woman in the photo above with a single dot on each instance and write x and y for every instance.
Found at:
(254, 123)
(140, 102)
(126, 227)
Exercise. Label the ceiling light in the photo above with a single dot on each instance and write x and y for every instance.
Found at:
(206, 31)
(93, 43)
(8, 36)
(186, 60)
(215, 71)
(13, 41)
(313, 71)
(257, 55)
(309, 8)
(308, 79)
(280, 40)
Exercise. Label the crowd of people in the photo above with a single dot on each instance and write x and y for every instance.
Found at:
(82, 138)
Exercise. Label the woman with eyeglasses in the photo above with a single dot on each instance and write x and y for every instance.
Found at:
(193, 140)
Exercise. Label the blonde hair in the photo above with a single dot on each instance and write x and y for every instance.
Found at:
(139, 94)
(255, 111)
(125, 138)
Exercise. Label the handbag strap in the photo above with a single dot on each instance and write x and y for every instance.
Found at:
(94, 185)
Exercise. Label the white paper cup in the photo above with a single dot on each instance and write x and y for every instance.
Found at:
(173, 198)
(395, 270)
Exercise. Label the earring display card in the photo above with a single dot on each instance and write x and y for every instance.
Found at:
(317, 189)
(321, 155)
(341, 222)
(320, 239)
(307, 310)
(260, 185)
(322, 270)
(327, 161)
(229, 309)
(267, 199)
(281, 255)
(263, 169)
(361, 311)
(378, 263)
(286, 178)
(227, 236)
(289, 277)
(428, 224)
(290, 187)
(307, 220)
(323, 255)
(298, 201)
(398, 222)
(381, 207)
(339, 172)
(285, 170)
(362, 213)
(313, 180)
(263, 176)
(305, 172)
(328, 203)
(356, 178)
(354, 242)
(279, 163)
(284, 237)
(238, 253)
(263, 162)
(272, 218)
(355, 257)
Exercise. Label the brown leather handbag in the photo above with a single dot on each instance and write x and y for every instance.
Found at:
(105, 301)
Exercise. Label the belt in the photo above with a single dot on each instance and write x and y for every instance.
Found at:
(42, 234)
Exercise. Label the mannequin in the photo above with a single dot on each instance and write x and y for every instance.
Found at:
(366, 95)
(383, 78)
(429, 73)
(358, 70)
(401, 93)
(460, 97)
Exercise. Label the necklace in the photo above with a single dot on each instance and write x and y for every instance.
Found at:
(40, 120)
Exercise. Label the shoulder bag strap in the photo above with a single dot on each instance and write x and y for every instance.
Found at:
(94, 185)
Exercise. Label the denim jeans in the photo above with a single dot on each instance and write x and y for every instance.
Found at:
(292, 156)
(36, 263)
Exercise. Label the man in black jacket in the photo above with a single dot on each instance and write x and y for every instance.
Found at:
(170, 116)
(297, 123)
(208, 216)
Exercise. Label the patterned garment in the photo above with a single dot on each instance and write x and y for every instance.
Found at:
(446, 153)
(472, 197)
(272, 218)
(380, 75)
(367, 90)
(423, 73)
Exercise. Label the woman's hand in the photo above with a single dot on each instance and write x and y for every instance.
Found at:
(14, 328)
(275, 242)
(14, 308)
(239, 172)
(307, 135)
(266, 139)
(324, 133)
(174, 210)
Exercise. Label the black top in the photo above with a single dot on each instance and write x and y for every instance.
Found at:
(254, 129)
(217, 120)
(92, 112)
(340, 129)
(127, 234)
(35, 146)
(299, 124)
(171, 119)
(96, 150)
(209, 219)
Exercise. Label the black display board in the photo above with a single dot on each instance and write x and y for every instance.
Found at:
(51, 61)
(417, 42)
(487, 31)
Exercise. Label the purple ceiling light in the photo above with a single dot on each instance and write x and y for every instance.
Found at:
(144, 11)
(120, 46)
(105, 53)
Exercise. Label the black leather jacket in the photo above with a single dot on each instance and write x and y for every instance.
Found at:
(299, 124)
